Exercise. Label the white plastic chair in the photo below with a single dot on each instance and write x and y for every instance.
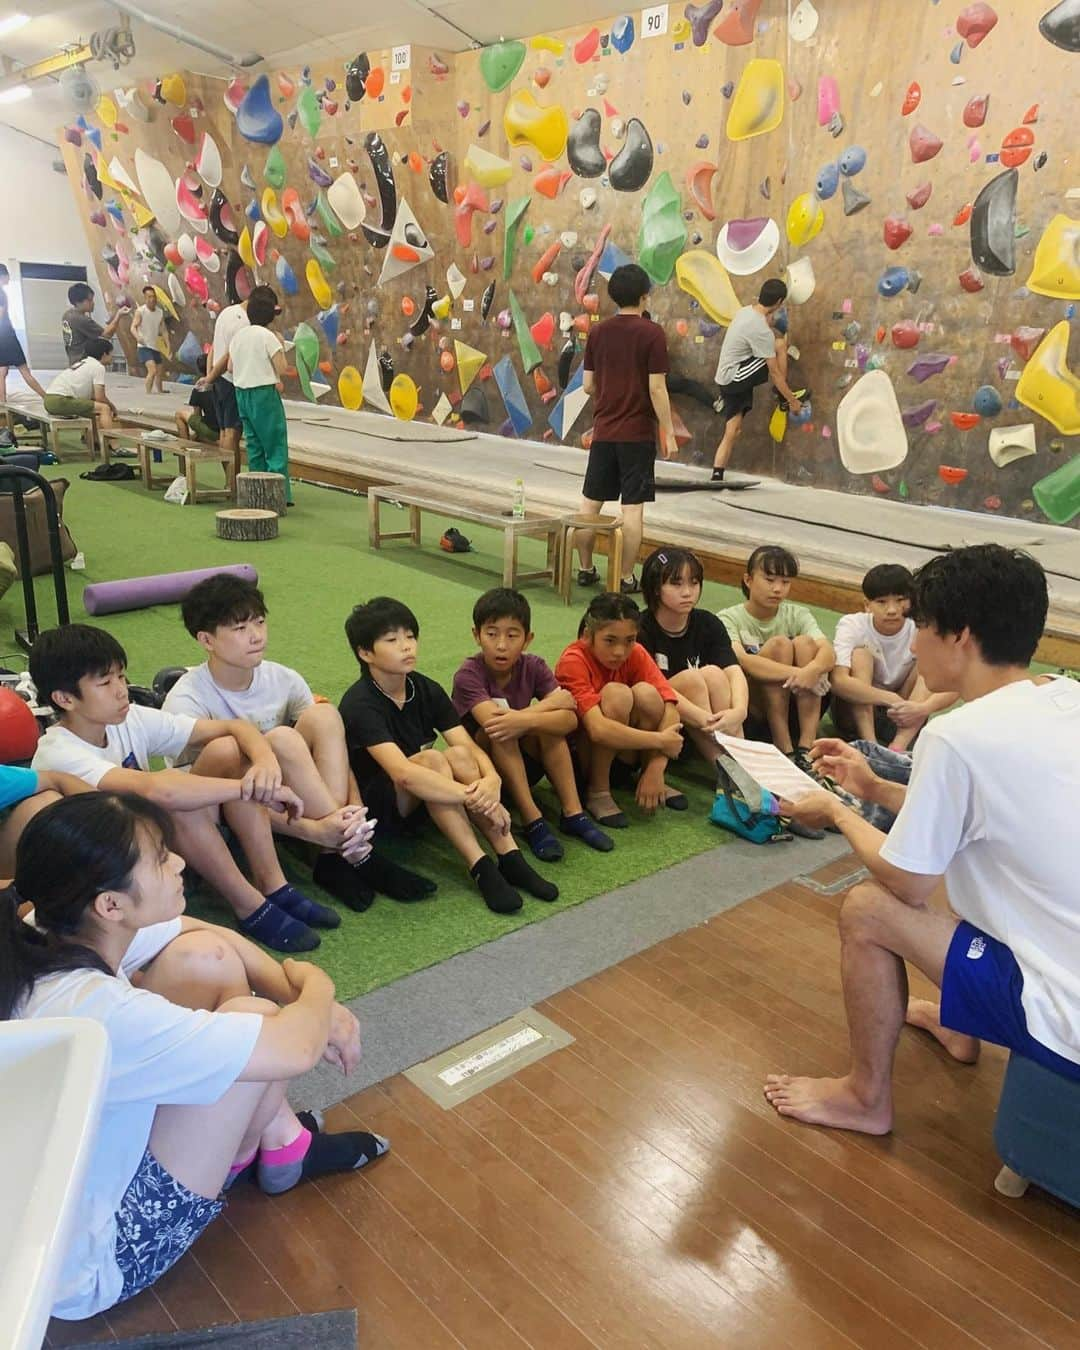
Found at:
(52, 1081)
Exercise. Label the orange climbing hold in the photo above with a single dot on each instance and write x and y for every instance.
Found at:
(586, 48)
(952, 473)
(682, 327)
(550, 182)
(543, 263)
(1032, 115)
(408, 306)
(1016, 147)
(699, 178)
(591, 304)
(963, 421)
(912, 99)
(459, 194)
(543, 330)
(963, 215)
(375, 82)
(286, 85)
(406, 94)
(415, 162)
(543, 384)
(736, 28)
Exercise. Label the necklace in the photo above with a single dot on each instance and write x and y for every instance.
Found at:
(410, 691)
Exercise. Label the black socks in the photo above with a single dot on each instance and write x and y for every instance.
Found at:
(356, 886)
(717, 476)
(385, 875)
(499, 895)
(519, 874)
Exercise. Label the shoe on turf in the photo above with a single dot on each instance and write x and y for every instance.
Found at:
(588, 576)
(630, 585)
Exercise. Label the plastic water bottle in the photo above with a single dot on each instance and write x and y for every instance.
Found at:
(518, 510)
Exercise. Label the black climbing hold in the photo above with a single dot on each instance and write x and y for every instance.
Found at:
(384, 179)
(218, 203)
(437, 176)
(1061, 25)
(630, 169)
(356, 74)
(583, 146)
(993, 225)
(488, 300)
(566, 360)
(474, 407)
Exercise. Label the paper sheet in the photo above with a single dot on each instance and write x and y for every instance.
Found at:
(769, 766)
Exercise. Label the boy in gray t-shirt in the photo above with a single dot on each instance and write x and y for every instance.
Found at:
(78, 324)
(753, 352)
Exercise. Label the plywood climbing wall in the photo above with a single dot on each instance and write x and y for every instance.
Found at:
(906, 167)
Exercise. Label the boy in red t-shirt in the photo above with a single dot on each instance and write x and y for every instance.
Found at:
(625, 707)
(626, 366)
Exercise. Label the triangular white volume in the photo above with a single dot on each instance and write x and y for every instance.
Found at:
(347, 201)
(442, 410)
(408, 247)
(374, 396)
(120, 175)
(158, 191)
(208, 161)
(185, 246)
(456, 280)
(176, 290)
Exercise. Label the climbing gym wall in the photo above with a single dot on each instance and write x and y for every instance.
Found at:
(440, 228)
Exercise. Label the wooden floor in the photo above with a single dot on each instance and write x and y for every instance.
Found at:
(635, 1189)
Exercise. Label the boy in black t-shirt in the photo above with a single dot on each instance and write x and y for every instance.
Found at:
(198, 421)
(692, 648)
(392, 716)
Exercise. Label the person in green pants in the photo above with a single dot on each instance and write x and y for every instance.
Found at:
(257, 363)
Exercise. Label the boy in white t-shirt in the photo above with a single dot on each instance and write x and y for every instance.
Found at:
(226, 615)
(109, 743)
(257, 364)
(146, 326)
(991, 809)
(877, 692)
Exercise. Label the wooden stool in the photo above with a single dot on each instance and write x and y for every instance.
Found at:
(262, 491)
(611, 526)
(194, 455)
(248, 526)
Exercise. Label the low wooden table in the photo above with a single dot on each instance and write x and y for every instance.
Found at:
(190, 454)
(419, 498)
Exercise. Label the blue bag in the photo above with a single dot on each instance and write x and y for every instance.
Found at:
(732, 810)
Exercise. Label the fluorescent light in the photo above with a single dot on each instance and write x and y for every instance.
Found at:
(15, 94)
(12, 22)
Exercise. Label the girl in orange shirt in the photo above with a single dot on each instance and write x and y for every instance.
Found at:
(625, 707)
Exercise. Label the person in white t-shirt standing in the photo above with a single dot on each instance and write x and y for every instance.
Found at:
(219, 378)
(257, 363)
(991, 808)
(877, 692)
(146, 327)
(195, 1092)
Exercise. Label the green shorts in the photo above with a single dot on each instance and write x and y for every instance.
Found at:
(62, 405)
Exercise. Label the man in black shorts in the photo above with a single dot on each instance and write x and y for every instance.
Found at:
(626, 367)
(753, 352)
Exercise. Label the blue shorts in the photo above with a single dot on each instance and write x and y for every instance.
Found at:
(228, 414)
(980, 996)
(158, 1220)
(146, 354)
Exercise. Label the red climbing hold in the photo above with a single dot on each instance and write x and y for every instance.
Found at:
(963, 215)
(543, 330)
(992, 503)
(736, 28)
(975, 110)
(918, 197)
(879, 336)
(951, 473)
(975, 22)
(971, 281)
(1016, 147)
(905, 334)
(912, 99)
(1025, 340)
(896, 231)
(550, 182)
(1032, 115)
(879, 484)
(964, 421)
(184, 128)
(585, 48)
(923, 143)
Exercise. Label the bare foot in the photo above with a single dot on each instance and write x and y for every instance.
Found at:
(927, 1016)
(826, 1101)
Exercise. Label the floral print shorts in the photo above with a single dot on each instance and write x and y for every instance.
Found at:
(158, 1220)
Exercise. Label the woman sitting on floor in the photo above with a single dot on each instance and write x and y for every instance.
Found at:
(195, 1094)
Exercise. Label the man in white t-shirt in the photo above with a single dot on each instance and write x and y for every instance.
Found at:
(109, 743)
(219, 378)
(79, 391)
(877, 692)
(146, 327)
(991, 808)
(226, 615)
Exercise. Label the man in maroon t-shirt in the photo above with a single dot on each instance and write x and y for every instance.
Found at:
(626, 366)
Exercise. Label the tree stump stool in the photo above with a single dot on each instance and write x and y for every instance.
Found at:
(247, 525)
(261, 491)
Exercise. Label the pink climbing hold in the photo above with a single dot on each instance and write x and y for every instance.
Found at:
(586, 48)
(896, 231)
(975, 110)
(1025, 340)
(918, 197)
(923, 143)
(828, 100)
(794, 89)
(975, 22)
(583, 280)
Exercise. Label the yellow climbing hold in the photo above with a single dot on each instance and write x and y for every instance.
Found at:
(489, 170)
(441, 308)
(778, 425)
(680, 30)
(106, 111)
(166, 303)
(544, 43)
(143, 215)
(317, 283)
(704, 277)
(273, 214)
(469, 363)
(804, 219)
(350, 388)
(527, 123)
(244, 248)
(1055, 269)
(1048, 386)
(174, 90)
(404, 398)
(758, 105)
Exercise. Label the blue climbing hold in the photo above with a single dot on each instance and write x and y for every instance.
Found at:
(286, 277)
(828, 180)
(190, 350)
(622, 34)
(892, 281)
(852, 161)
(987, 401)
(780, 322)
(256, 118)
(330, 323)
(956, 53)
(252, 211)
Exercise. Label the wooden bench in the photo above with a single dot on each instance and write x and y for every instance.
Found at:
(190, 455)
(419, 498)
(49, 424)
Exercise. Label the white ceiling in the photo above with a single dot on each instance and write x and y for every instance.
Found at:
(325, 30)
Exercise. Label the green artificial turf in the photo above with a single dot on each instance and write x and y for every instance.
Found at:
(312, 575)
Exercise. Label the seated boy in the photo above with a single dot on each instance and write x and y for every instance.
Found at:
(784, 654)
(226, 615)
(392, 716)
(23, 793)
(877, 692)
(494, 695)
(108, 742)
(198, 421)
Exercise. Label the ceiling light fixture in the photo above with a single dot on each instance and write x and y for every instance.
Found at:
(12, 22)
(16, 93)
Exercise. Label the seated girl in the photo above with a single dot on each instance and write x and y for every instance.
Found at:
(692, 649)
(626, 709)
(195, 1094)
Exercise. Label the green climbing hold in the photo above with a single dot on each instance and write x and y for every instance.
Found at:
(274, 173)
(305, 357)
(663, 231)
(1058, 494)
(530, 352)
(321, 254)
(528, 234)
(332, 225)
(309, 112)
(500, 63)
(903, 489)
(515, 212)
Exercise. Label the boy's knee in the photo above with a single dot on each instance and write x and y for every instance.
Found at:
(222, 758)
(434, 760)
(861, 911)
(778, 649)
(617, 701)
(321, 719)
(462, 761)
(805, 648)
(287, 744)
(692, 685)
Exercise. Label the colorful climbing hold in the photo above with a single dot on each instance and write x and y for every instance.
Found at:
(975, 110)
(758, 105)
(927, 365)
(905, 334)
(705, 279)
(1058, 494)
(952, 474)
(975, 22)
(256, 117)
(1047, 385)
(1055, 269)
(828, 180)
(736, 28)
(852, 161)
(527, 123)
(662, 236)
(986, 401)
(971, 281)
(993, 225)
(854, 200)
(1016, 147)
(630, 169)
(622, 34)
(317, 283)
(923, 144)
(804, 220)
(745, 246)
(912, 99)
(895, 232)
(918, 197)
(499, 64)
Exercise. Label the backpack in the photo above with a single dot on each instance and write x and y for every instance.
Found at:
(732, 810)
